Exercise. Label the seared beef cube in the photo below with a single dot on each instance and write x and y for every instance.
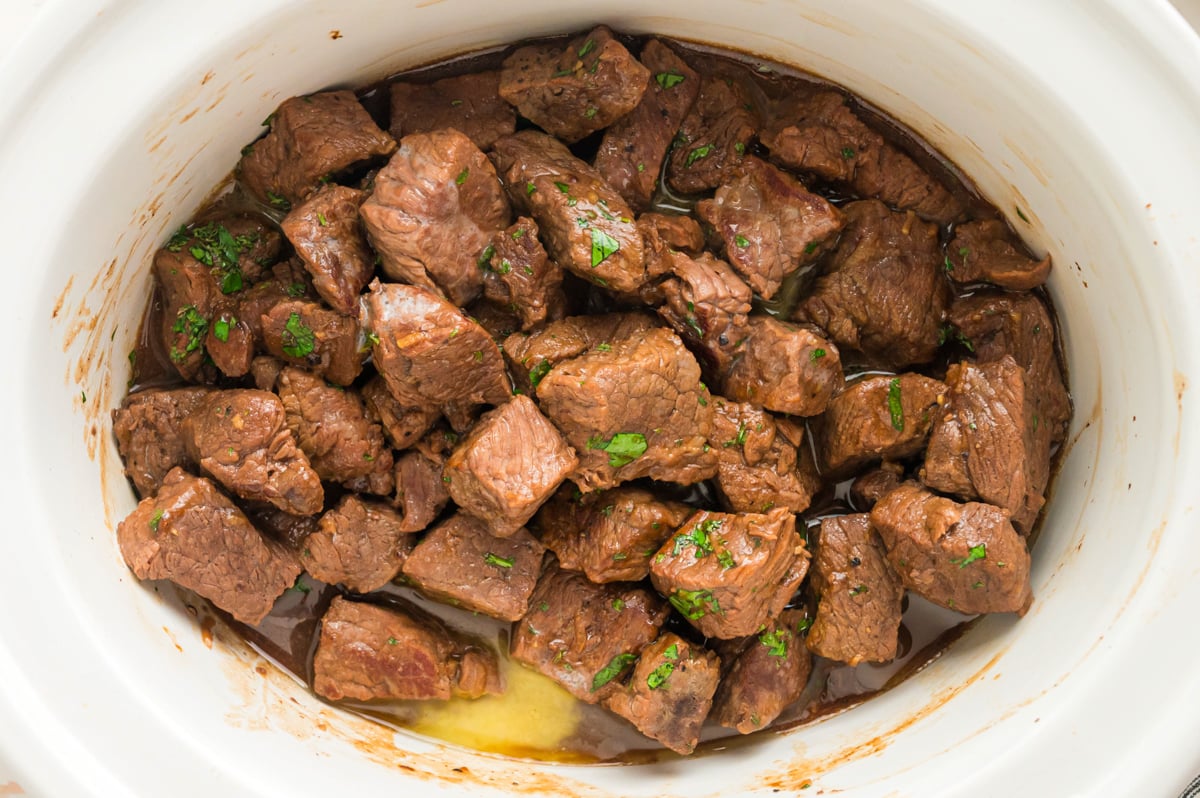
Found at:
(311, 138)
(965, 557)
(878, 418)
(728, 574)
(359, 543)
(429, 352)
(769, 223)
(583, 635)
(610, 536)
(766, 676)
(503, 322)
(784, 368)
(433, 211)
(238, 247)
(670, 692)
(421, 490)
(189, 294)
(265, 371)
(288, 529)
(759, 465)
(871, 486)
(402, 426)
(707, 305)
(988, 442)
(858, 617)
(260, 298)
(305, 334)
(986, 251)
(367, 652)
(193, 535)
(333, 429)
(460, 562)
(531, 355)
(586, 226)
(635, 409)
(572, 92)
(664, 234)
(820, 135)
(633, 148)
(230, 340)
(884, 293)
(713, 137)
(519, 276)
(240, 438)
(471, 104)
(327, 237)
(146, 426)
(1019, 325)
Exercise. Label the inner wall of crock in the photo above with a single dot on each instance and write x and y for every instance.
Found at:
(180, 132)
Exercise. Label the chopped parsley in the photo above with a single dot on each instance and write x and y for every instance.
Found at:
(296, 290)
(847, 152)
(623, 448)
(321, 220)
(603, 245)
(739, 148)
(816, 355)
(618, 604)
(658, 677)
(278, 202)
(810, 247)
(298, 340)
(699, 536)
(179, 239)
(697, 153)
(190, 323)
(858, 590)
(563, 187)
(218, 248)
(497, 560)
(947, 265)
(299, 585)
(155, 520)
(726, 560)
(221, 328)
(803, 624)
(591, 112)
(974, 553)
(393, 641)
(691, 603)
(741, 241)
(671, 652)
(740, 440)
(1021, 213)
(776, 642)
(895, 408)
(486, 256)
(462, 177)
(669, 80)
(612, 670)
(588, 46)
(529, 189)
(537, 372)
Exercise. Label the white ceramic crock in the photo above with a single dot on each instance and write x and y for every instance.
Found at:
(1082, 118)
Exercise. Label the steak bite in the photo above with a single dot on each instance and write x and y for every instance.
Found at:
(633, 410)
(311, 138)
(421, 490)
(471, 104)
(230, 340)
(359, 543)
(305, 334)
(241, 439)
(531, 355)
(663, 234)
(765, 677)
(575, 91)
(878, 417)
(759, 464)
(193, 535)
(402, 426)
(769, 224)
(986, 251)
(965, 557)
(586, 226)
(512, 461)
(633, 148)
(858, 617)
(883, 293)
(728, 574)
(520, 277)
(583, 635)
(146, 427)
(610, 536)
(707, 305)
(460, 562)
(871, 486)
(368, 652)
(670, 692)
(325, 232)
(713, 137)
(784, 368)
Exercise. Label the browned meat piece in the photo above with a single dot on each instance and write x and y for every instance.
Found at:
(871, 486)
(770, 225)
(633, 148)
(1019, 325)
(189, 294)
(193, 535)
(784, 368)
(572, 92)
(429, 352)
(311, 138)
(670, 692)
(240, 438)
(610, 536)
(729, 574)
(433, 211)
(367, 652)
(878, 417)
(987, 251)
(471, 104)
(633, 410)
(230, 340)
(333, 429)
(402, 426)
(819, 134)
(288, 529)
(586, 226)
(583, 635)
(305, 334)
(518, 275)
(858, 617)
(531, 355)
(965, 557)
(421, 491)
(988, 442)
(713, 137)
(265, 371)
(260, 298)
(707, 305)
(359, 543)
(512, 461)
(663, 234)
(146, 427)
(767, 676)
(326, 234)
(884, 293)
(760, 466)
(459, 562)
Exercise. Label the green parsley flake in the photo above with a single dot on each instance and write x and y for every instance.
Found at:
(296, 290)
(321, 220)
(588, 46)
(462, 177)
(847, 153)
(947, 265)
(974, 553)
(486, 257)
(618, 604)
(739, 148)
(726, 560)
(816, 355)
(155, 520)
(393, 641)
(603, 245)
(299, 585)
(691, 603)
(623, 448)
(298, 340)
(179, 239)
(658, 677)
(221, 328)
(697, 153)
(612, 670)
(669, 80)
(671, 652)
(278, 202)
(699, 536)
(741, 241)
(537, 372)
(591, 112)
(498, 561)
(895, 408)
(858, 590)
(776, 642)
(563, 187)
(193, 326)
(803, 624)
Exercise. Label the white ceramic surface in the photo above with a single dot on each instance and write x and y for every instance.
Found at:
(116, 120)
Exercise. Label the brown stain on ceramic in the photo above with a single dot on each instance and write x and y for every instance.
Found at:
(1031, 164)
(174, 642)
(62, 297)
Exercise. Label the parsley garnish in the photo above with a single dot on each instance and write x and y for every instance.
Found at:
(947, 265)
(776, 642)
(190, 323)
(298, 340)
(155, 520)
(393, 641)
(858, 589)
(974, 553)
(741, 241)
(740, 440)
(537, 372)
(179, 239)
(803, 624)
(221, 328)
(591, 112)
(895, 408)
(623, 448)
(296, 290)
(671, 652)
(847, 153)
(497, 560)
(462, 177)
(697, 153)
(603, 245)
(588, 46)
(658, 677)
(299, 585)
(612, 670)
(669, 80)
(529, 189)
(486, 256)
(691, 603)
(321, 220)
(726, 560)
(278, 202)
(699, 536)
(816, 355)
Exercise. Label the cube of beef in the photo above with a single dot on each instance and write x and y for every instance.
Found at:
(146, 427)
(965, 557)
(325, 232)
(531, 355)
(402, 426)
(230, 341)
(765, 677)
(707, 305)
(460, 562)
(713, 138)
(871, 486)
(728, 574)
(760, 464)
(663, 235)
(193, 535)
(421, 490)
(471, 104)
(305, 334)
(359, 543)
(288, 529)
(784, 368)
(987, 251)
(501, 322)
(265, 370)
(519, 276)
